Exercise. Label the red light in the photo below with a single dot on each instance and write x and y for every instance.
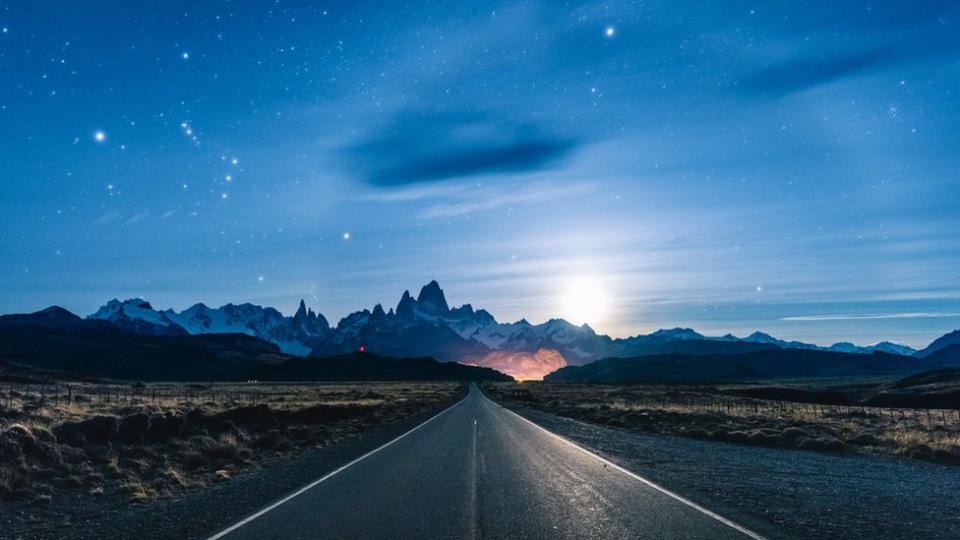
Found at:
(362, 349)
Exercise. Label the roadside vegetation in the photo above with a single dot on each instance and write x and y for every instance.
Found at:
(781, 416)
(59, 442)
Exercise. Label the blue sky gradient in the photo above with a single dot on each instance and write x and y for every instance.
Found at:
(789, 167)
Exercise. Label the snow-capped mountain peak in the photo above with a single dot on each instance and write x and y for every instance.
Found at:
(428, 326)
(137, 315)
(294, 335)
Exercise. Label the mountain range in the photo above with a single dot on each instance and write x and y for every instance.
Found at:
(427, 326)
(55, 342)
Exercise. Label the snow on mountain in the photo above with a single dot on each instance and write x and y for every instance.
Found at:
(138, 316)
(673, 334)
(883, 346)
(844, 347)
(426, 325)
(760, 337)
(294, 335)
(891, 348)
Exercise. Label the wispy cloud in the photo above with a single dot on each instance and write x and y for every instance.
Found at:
(801, 73)
(109, 217)
(500, 198)
(856, 317)
(137, 218)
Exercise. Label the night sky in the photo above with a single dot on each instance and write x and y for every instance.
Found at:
(729, 166)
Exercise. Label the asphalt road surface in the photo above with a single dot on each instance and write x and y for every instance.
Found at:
(477, 470)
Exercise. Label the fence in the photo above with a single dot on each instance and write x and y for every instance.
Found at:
(185, 394)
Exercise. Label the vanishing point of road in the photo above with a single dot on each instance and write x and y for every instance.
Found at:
(477, 470)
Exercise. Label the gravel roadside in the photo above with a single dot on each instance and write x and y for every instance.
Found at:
(785, 493)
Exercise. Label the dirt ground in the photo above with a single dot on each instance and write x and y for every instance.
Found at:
(723, 413)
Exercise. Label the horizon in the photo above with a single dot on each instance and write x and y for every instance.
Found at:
(333, 321)
(727, 169)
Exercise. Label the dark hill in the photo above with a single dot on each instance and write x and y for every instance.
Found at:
(946, 356)
(703, 347)
(57, 341)
(374, 367)
(931, 389)
(772, 364)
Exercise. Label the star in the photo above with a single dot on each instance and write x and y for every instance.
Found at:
(99, 136)
(186, 56)
(346, 236)
(609, 31)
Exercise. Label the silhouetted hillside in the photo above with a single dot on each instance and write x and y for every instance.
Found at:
(374, 367)
(55, 341)
(772, 364)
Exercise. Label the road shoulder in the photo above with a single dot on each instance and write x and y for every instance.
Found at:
(783, 493)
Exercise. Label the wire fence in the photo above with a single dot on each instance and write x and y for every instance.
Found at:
(156, 393)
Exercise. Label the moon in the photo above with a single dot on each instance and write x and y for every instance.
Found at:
(585, 299)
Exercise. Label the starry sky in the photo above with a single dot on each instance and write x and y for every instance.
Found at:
(729, 166)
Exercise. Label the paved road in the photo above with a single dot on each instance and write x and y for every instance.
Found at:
(478, 470)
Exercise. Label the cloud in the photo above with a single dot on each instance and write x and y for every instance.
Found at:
(137, 218)
(109, 217)
(424, 146)
(474, 202)
(801, 73)
(857, 317)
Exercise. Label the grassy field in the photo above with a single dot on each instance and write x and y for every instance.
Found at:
(140, 442)
(720, 413)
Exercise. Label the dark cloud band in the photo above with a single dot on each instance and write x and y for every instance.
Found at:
(428, 146)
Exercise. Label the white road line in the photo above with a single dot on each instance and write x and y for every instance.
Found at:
(657, 487)
(329, 475)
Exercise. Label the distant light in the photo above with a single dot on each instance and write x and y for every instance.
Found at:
(759, 288)
(610, 31)
(234, 161)
(186, 56)
(100, 136)
(260, 279)
(346, 236)
(5, 29)
(362, 349)
(224, 195)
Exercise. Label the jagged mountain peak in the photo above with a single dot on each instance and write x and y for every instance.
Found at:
(426, 325)
(405, 306)
(301, 311)
(431, 298)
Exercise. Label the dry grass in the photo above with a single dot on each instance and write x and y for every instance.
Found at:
(152, 441)
(708, 412)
